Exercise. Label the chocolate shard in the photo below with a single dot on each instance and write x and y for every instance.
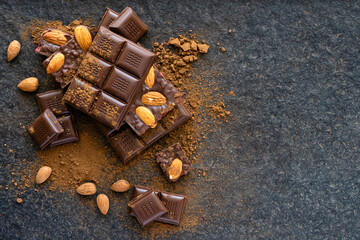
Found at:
(45, 129)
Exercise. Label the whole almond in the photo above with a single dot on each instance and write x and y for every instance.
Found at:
(43, 174)
(175, 169)
(120, 186)
(55, 63)
(150, 78)
(83, 37)
(86, 189)
(29, 84)
(13, 50)
(103, 203)
(146, 116)
(153, 99)
(55, 37)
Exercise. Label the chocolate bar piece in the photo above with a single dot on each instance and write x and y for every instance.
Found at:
(107, 19)
(161, 85)
(45, 129)
(109, 77)
(147, 207)
(127, 144)
(53, 100)
(73, 57)
(55, 38)
(174, 203)
(129, 25)
(174, 162)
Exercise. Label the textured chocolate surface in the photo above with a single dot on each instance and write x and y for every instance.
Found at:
(162, 86)
(53, 101)
(166, 157)
(107, 19)
(46, 48)
(137, 190)
(129, 25)
(147, 207)
(73, 54)
(127, 144)
(45, 129)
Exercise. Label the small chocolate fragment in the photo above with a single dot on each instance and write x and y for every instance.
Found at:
(147, 207)
(55, 38)
(129, 25)
(107, 19)
(53, 101)
(174, 162)
(45, 129)
(70, 133)
(138, 190)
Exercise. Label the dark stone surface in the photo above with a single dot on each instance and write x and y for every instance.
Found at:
(287, 165)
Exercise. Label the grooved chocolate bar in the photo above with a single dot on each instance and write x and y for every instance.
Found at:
(52, 100)
(109, 77)
(127, 144)
(107, 19)
(51, 40)
(45, 129)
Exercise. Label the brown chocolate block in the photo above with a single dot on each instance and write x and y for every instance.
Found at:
(129, 25)
(53, 101)
(147, 207)
(70, 133)
(166, 158)
(107, 19)
(137, 190)
(45, 129)
(175, 204)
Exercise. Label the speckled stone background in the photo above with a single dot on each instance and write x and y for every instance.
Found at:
(286, 166)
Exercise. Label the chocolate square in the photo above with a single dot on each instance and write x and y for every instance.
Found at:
(53, 101)
(107, 44)
(45, 129)
(81, 94)
(70, 133)
(174, 203)
(121, 84)
(129, 25)
(135, 59)
(147, 207)
(138, 190)
(108, 18)
(94, 70)
(166, 157)
(108, 109)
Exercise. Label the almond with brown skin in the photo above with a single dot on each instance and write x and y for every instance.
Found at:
(120, 186)
(55, 63)
(29, 84)
(55, 37)
(153, 99)
(43, 174)
(103, 203)
(13, 50)
(175, 169)
(150, 79)
(83, 37)
(86, 189)
(146, 116)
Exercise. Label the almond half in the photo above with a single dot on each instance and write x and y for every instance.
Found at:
(55, 37)
(43, 174)
(146, 116)
(103, 203)
(55, 63)
(83, 37)
(175, 169)
(150, 78)
(120, 186)
(86, 189)
(29, 84)
(153, 99)
(13, 50)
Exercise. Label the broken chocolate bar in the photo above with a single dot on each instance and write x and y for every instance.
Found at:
(107, 19)
(174, 162)
(45, 129)
(51, 40)
(147, 207)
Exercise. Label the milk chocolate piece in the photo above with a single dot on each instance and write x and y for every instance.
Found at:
(45, 129)
(73, 56)
(46, 48)
(129, 25)
(147, 207)
(107, 19)
(70, 133)
(166, 157)
(138, 190)
(53, 101)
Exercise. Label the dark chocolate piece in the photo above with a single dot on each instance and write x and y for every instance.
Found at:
(70, 133)
(52, 100)
(147, 207)
(47, 48)
(107, 19)
(127, 144)
(161, 85)
(45, 129)
(73, 56)
(137, 190)
(167, 156)
(129, 25)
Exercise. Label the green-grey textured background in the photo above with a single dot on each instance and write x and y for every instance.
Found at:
(287, 164)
